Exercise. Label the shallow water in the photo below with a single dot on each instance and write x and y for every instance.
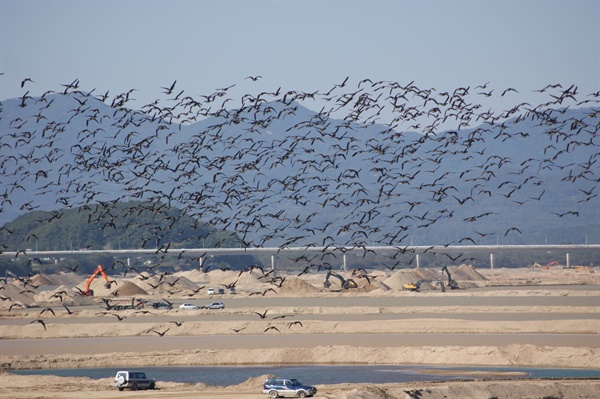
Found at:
(314, 375)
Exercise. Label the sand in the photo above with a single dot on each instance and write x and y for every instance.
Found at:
(94, 337)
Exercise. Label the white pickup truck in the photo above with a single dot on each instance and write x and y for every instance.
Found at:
(133, 380)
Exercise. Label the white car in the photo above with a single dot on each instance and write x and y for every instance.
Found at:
(188, 306)
(215, 305)
(211, 291)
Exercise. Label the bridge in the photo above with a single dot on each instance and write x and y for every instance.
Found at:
(201, 253)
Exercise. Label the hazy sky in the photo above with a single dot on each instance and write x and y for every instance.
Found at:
(297, 45)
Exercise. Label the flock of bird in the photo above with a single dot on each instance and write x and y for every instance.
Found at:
(369, 167)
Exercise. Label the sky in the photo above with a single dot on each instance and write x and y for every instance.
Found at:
(305, 46)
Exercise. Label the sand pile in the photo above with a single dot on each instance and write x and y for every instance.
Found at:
(195, 275)
(465, 273)
(254, 383)
(294, 285)
(69, 279)
(16, 295)
(59, 295)
(251, 278)
(401, 277)
(164, 284)
(128, 289)
(41, 279)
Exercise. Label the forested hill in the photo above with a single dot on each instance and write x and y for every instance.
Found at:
(119, 225)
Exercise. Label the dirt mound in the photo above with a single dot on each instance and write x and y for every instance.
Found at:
(294, 285)
(59, 295)
(130, 289)
(367, 288)
(16, 295)
(250, 278)
(221, 278)
(41, 279)
(401, 277)
(254, 382)
(197, 276)
(69, 279)
(466, 273)
(163, 284)
(463, 273)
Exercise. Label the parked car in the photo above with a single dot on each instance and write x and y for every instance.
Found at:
(215, 305)
(211, 291)
(133, 380)
(188, 306)
(291, 387)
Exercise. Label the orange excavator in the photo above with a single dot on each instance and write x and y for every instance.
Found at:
(550, 264)
(99, 271)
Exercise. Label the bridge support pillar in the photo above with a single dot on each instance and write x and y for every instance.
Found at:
(568, 261)
(344, 265)
(491, 260)
(418, 259)
(201, 262)
(273, 265)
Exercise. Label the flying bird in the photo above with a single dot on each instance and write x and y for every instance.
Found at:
(262, 315)
(39, 321)
(162, 334)
(48, 310)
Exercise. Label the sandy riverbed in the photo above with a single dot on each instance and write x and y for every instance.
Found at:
(472, 338)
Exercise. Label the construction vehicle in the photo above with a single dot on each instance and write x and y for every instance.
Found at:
(99, 271)
(583, 268)
(550, 264)
(538, 266)
(452, 284)
(124, 303)
(416, 287)
(345, 284)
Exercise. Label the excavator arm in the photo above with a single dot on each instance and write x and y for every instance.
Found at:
(453, 285)
(99, 271)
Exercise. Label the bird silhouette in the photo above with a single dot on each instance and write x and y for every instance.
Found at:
(39, 321)
(261, 315)
(48, 310)
(161, 334)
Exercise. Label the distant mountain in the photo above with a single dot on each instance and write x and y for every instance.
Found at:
(277, 173)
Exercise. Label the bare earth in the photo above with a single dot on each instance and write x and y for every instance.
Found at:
(313, 326)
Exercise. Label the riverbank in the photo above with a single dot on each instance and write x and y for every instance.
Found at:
(51, 387)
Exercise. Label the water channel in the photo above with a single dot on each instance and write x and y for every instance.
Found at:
(319, 374)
